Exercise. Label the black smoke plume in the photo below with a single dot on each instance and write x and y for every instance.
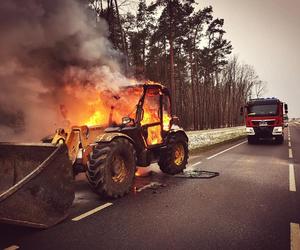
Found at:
(46, 45)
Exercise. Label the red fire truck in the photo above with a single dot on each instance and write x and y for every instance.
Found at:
(264, 119)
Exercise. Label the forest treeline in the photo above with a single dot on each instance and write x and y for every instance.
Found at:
(184, 48)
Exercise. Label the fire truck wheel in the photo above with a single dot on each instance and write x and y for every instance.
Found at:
(279, 139)
(252, 139)
(111, 168)
(174, 158)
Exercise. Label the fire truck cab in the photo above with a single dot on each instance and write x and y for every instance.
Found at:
(264, 119)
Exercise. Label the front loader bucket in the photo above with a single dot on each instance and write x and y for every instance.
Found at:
(36, 184)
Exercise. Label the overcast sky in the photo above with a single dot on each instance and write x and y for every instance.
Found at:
(266, 34)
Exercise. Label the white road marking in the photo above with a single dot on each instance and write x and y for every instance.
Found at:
(290, 153)
(95, 210)
(195, 164)
(292, 178)
(290, 144)
(13, 247)
(295, 236)
(208, 158)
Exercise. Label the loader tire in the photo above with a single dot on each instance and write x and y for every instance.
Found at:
(174, 158)
(111, 168)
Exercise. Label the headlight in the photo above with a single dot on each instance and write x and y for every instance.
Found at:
(277, 131)
(250, 131)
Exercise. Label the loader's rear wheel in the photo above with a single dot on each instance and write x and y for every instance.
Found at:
(111, 168)
(174, 159)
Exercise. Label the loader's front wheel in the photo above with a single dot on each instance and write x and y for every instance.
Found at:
(111, 167)
(174, 158)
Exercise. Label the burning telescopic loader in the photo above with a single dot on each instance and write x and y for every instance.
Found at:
(36, 187)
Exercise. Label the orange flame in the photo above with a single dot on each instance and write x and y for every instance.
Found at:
(90, 106)
(95, 119)
(166, 121)
(142, 172)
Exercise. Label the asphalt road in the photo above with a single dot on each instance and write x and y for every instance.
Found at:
(253, 204)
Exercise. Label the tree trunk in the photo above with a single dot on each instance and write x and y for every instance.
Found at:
(171, 43)
(124, 50)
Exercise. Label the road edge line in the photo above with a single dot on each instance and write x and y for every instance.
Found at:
(210, 157)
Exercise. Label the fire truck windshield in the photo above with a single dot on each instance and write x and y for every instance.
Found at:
(262, 110)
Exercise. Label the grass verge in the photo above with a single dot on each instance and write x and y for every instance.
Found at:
(201, 149)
